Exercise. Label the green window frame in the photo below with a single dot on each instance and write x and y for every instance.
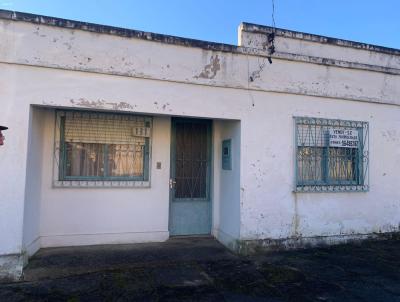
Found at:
(103, 147)
(331, 155)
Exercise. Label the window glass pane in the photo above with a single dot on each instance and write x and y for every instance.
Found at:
(331, 155)
(102, 146)
(126, 160)
(312, 135)
(310, 164)
(342, 164)
(84, 159)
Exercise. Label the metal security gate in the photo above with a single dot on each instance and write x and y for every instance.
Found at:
(190, 202)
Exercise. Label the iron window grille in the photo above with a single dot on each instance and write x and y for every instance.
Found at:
(102, 149)
(331, 155)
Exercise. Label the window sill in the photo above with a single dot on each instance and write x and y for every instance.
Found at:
(100, 184)
(331, 188)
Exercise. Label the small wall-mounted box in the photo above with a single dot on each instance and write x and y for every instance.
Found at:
(227, 154)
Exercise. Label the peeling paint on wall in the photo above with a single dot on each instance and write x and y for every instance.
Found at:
(102, 104)
(267, 208)
(211, 69)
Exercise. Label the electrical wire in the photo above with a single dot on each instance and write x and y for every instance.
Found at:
(273, 14)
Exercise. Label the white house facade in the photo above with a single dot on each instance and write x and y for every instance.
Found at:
(121, 136)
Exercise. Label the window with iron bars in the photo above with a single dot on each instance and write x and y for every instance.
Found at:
(96, 149)
(331, 155)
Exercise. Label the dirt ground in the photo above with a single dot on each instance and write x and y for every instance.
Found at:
(201, 269)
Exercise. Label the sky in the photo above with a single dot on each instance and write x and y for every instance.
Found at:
(374, 22)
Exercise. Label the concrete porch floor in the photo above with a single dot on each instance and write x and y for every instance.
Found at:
(201, 269)
(67, 261)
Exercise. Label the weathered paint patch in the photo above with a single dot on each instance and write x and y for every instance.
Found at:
(102, 104)
(248, 247)
(11, 267)
(211, 69)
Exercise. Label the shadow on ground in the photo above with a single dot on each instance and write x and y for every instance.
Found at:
(200, 269)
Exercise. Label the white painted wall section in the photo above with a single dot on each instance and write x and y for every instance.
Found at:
(271, 209)
(31, 232)
(229, 183)
(249, 100)
(83, 216)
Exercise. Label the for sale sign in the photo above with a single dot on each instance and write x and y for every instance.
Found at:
(343, 138)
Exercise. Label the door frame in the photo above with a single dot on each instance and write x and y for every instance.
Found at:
(209, 177)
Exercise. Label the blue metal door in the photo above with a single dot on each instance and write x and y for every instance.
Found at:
(190, 202)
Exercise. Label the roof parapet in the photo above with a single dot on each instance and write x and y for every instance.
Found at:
(316, 48)
(285, 33)
(253, 40)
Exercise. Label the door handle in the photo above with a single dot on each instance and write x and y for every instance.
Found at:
(172, 183)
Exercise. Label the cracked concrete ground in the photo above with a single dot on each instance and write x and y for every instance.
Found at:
(201, 269)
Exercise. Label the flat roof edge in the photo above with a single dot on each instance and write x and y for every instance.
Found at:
(117, 31)
(255, 28)
(188, 42)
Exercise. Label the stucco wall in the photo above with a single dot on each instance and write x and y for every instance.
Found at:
(64, 48)
(303, 44)
(59, 67)
(81, 216)
(34, 175)
(268, 204)
(227, 197)
(270, 209)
